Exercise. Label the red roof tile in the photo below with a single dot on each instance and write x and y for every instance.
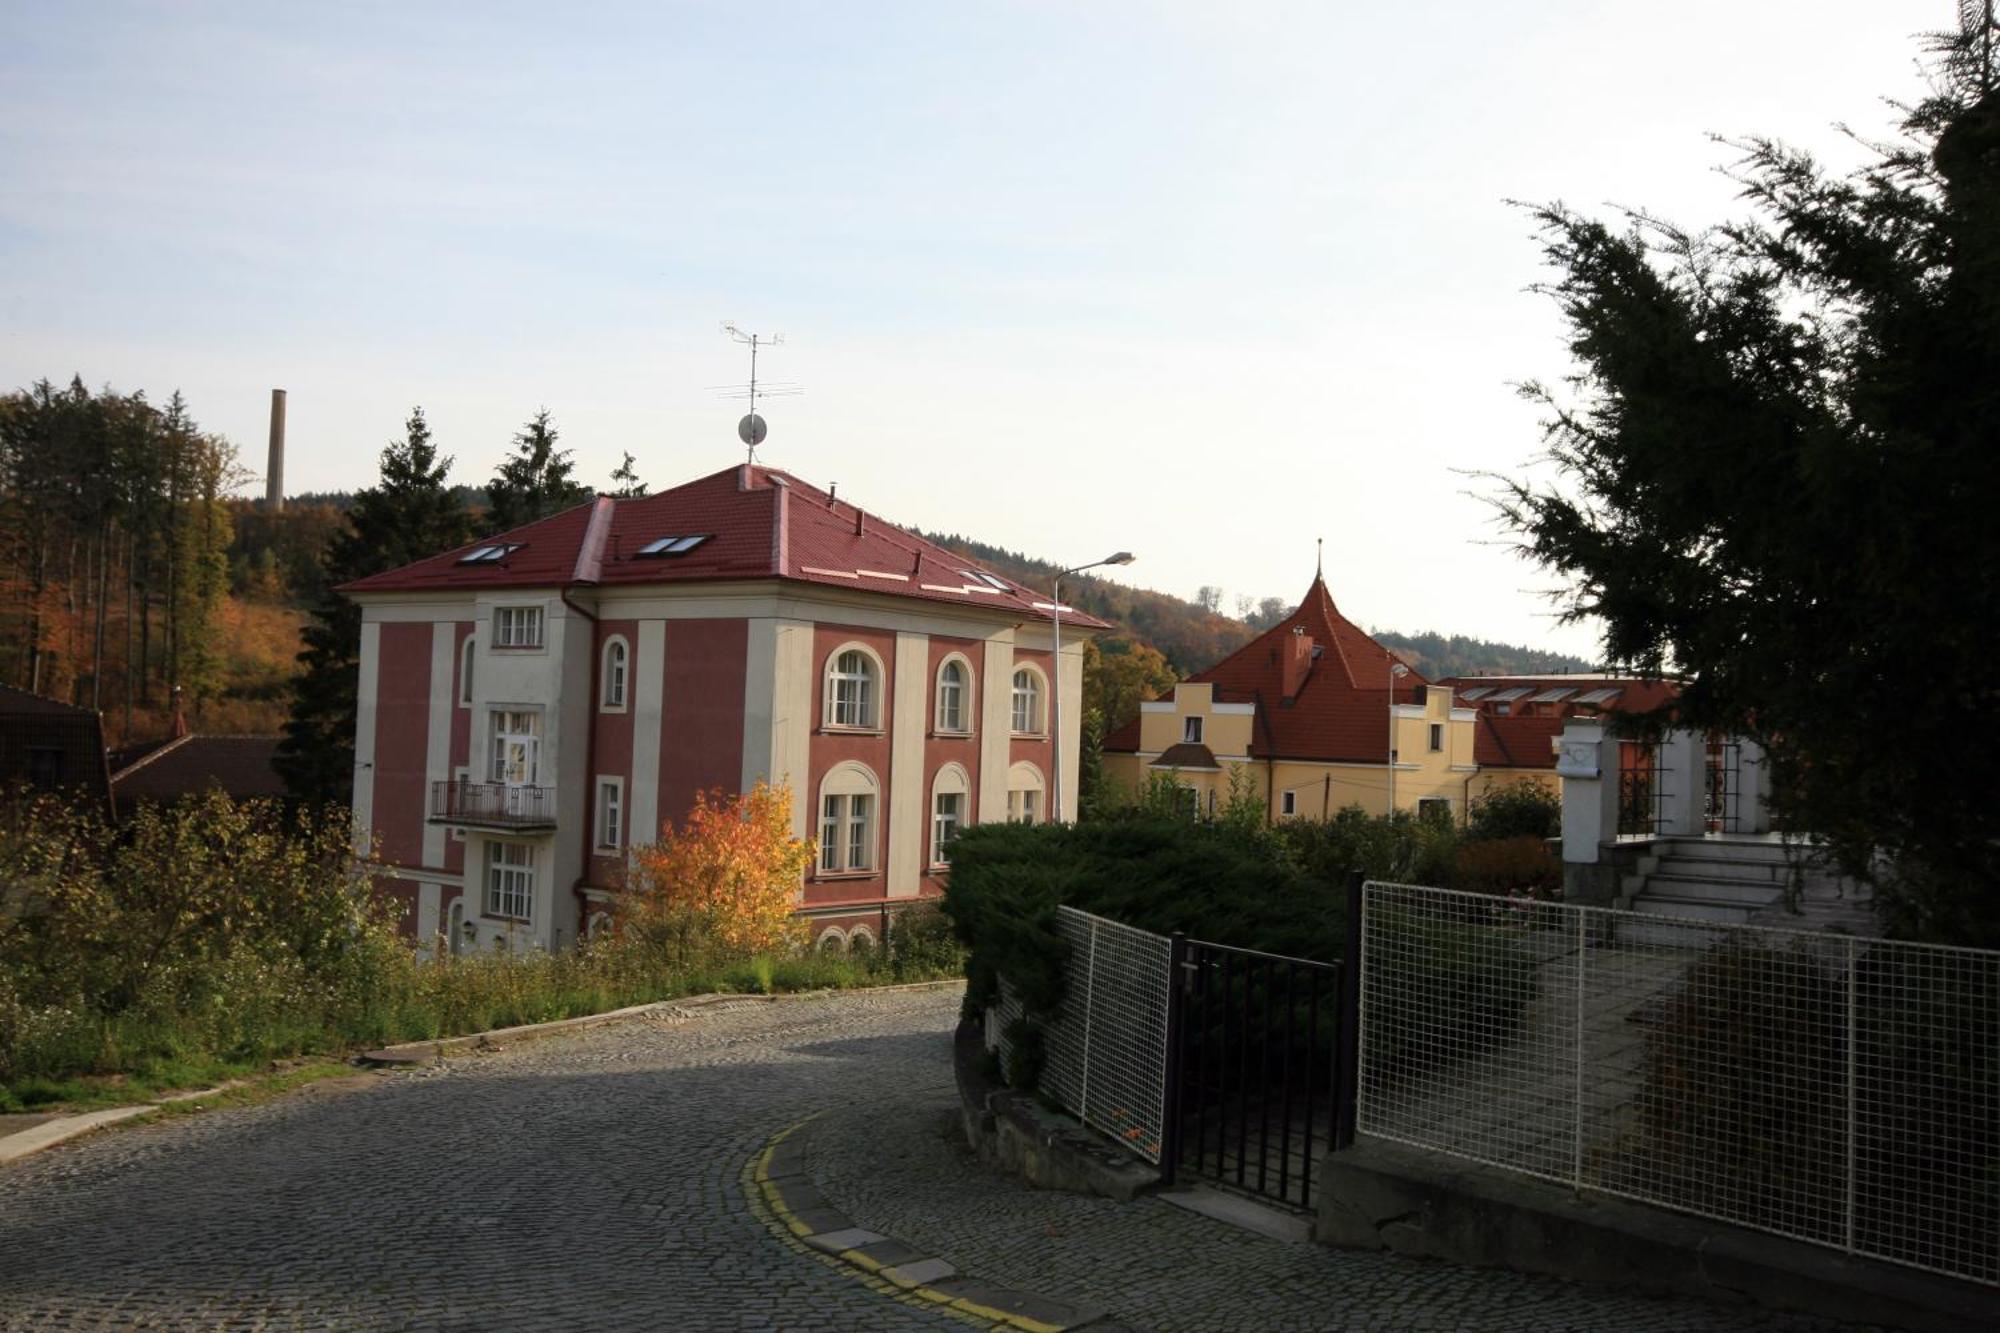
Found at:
(758, 523)
(1515, 742)
(1341, 710)
(239, 765)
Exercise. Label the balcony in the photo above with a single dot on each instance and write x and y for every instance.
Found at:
(493, 805)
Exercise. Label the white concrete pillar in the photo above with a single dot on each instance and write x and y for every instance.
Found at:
(1683, 783)
(1588, 765)
(1753, 789)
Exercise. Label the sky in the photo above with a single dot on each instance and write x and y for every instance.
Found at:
(1205, 282)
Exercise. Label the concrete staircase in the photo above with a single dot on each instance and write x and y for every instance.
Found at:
(1726, 879)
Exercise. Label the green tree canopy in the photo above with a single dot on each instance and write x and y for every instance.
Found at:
(534, 481)
(626, 478)
(1777, 462)
(409, 514)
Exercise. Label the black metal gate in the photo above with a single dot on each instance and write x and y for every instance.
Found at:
(1258, 1056)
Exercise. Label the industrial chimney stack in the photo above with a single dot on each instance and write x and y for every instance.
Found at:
(274, 471)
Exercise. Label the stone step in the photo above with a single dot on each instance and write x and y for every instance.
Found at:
(1694, 909)
(1705, 888)
(1728, 849)
(1715, 867)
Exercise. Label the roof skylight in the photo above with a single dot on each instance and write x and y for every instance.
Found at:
(1598, 697)
(676, 545)
(487, 555)
(1553, 696)
(1475, 695)
(997, 584)
(1514, 693)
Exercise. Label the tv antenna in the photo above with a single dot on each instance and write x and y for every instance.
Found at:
(752, 428)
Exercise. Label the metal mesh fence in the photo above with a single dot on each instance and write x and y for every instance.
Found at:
(1833, 1088)
(1106, 1056)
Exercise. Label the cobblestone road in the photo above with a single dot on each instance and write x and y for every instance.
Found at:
(595, 1182)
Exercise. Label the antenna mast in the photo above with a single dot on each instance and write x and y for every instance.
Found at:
(752, 428)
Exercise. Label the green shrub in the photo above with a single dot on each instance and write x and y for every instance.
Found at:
(1401, 849)
(1517, 810)
(920, 945)
(1508, 866)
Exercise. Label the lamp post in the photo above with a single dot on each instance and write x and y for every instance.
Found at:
(1055, 685)
(1396, 672)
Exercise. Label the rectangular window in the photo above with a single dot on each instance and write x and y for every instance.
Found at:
(1434, 809)
(1023, 803)
(510, 880)
(1289, 803)
(846, 833)
(610, 813)
(1191, 730)
(1437, 737)
(517, 747)
(517, 627)
(944, 827)
(465, 653)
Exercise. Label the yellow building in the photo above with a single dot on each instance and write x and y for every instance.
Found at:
(1302, 717)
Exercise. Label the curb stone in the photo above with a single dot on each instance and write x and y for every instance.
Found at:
(776, 1177)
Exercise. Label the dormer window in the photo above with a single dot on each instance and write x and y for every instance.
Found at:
(662, 547)
(997, 584)
(490, 555)
(1191, 730)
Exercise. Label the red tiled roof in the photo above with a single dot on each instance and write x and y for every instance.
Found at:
(1515, 742)
(1634, 694)
(239, 765)
(1341, 711)
(759, 523)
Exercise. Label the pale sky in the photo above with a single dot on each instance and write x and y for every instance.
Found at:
(1201, 280)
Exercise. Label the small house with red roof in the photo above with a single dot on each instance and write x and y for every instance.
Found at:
(1519, 720)
(1314, 715)
(532, 705)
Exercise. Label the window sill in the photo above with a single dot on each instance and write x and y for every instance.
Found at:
(829, 876)
(611, 708)
(937, 735)
(832, 729)
(520, 647)
(1028, 735)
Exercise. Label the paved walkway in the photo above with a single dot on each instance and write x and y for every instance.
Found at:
(597, 1182)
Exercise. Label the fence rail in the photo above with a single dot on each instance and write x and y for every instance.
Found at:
(492, 804)
(1835, 1089)
(1106, 1055)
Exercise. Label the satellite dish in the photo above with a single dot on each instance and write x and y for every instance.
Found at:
(752, 430)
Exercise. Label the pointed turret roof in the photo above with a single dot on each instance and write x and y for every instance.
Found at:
(1339, 712)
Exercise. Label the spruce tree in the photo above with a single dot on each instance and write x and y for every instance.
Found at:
(409, 514)
(626, 480)
(534, 481)
(1778, 459)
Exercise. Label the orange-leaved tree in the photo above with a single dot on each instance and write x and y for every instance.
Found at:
(727, 877)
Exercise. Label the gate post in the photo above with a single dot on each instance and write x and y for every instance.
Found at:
(1170, 1108)
(1347, 1047)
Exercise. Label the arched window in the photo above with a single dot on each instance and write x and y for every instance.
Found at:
(954, 697)
(951, 799)
(861, 941)
(617, 659)
(1028, 694)
(853, 688)
(465, 670)
(849, 797)
(1026, 802)
(831, 940)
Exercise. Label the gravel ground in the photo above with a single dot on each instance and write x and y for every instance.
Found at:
(595, 1181)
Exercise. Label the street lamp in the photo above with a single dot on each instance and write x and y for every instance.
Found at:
(1055, 616)
(1396, 672)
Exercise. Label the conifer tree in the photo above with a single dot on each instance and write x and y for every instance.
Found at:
(534, 481)
(627, 484)
(1777, 464)
(409, 514)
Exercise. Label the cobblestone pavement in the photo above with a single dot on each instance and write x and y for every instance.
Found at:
(596, 1182)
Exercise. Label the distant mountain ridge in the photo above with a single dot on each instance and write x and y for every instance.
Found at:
(1191, 637)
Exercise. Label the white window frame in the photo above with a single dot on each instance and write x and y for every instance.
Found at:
(503, 725)
(850, 803)
(510, 879)
(857, 934)
(1027, 795)
(466, 652)
(963, 726)
(612, 831)
(520, 628)
(830, 940)
(614, 685)
(951, 783)
(1037, 693)
(863, 706)
(1191, 729)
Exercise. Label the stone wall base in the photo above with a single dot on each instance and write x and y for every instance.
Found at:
(1382, 1196)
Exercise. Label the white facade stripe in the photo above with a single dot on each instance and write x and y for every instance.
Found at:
(648, 695)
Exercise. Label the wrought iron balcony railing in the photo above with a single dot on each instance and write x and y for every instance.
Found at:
(493, 805)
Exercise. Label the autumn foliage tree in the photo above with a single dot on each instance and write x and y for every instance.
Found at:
(727, 878)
